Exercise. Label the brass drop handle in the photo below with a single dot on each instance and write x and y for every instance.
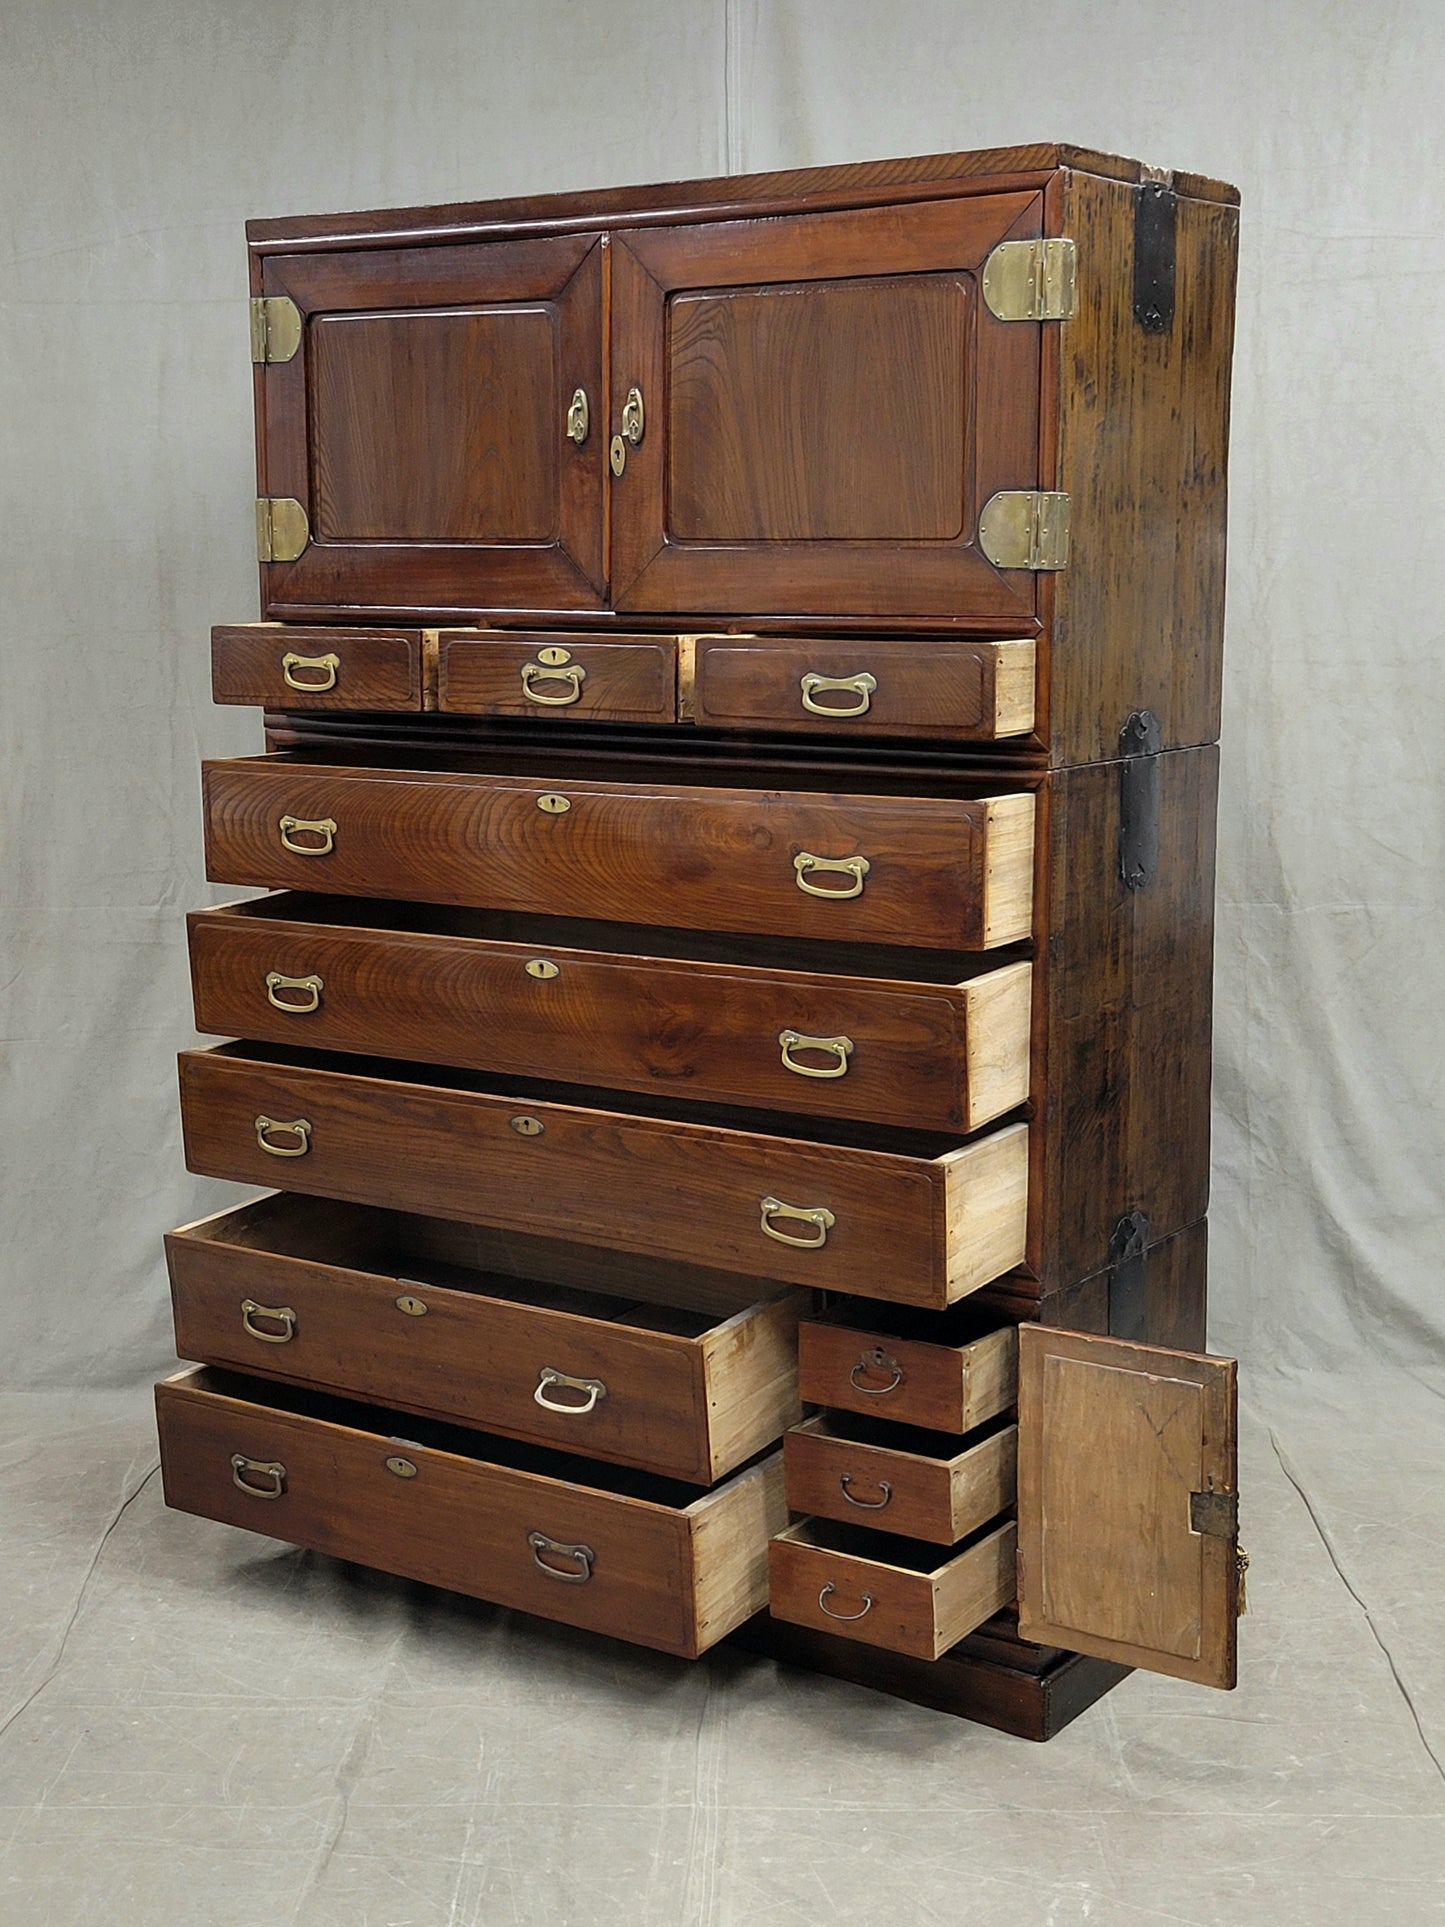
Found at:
(634, 424)
(549, 1376)
(310, 988)
(877, 1360)
(823, 1596)
(574, 675)
(322, 826)
(856, 867)
(327, 666)
(243, 1470)
(282, 1315)
(582, 1558)
(579, 417)
(862, 686)
(298, 1127)
(845, 1480)
(795, 1040)
(818, 1216)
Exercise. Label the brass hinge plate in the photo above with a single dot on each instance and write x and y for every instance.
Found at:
(282, 530)
(275, 327)
(1032, 281)
(1026, 528)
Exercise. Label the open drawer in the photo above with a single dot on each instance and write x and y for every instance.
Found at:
(618, 1552)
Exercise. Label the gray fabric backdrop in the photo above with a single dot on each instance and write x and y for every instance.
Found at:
(138, 134)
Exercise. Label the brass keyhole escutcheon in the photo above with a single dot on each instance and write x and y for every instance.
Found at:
(413, 1307)
(528, 1126)
(553, 805)
(554, 657)
(617, 454)
(403, 1468)
(542, 968)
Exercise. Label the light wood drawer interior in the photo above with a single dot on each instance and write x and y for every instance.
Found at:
(298, 667)
(901, 1594)
(946, 1373)
(899, 1479)
(620, 1552)
(617, 679)
(435, 1317)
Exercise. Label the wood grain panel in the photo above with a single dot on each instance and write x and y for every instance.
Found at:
(371, 670)
(923, 1055)
(689, 1397)
(463, 1520)
(664, 1184)
(953, 873)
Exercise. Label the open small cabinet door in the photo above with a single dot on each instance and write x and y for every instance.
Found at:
(1128, 1496)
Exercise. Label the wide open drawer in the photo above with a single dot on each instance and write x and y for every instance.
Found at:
(277, 667)
(923, 1485)
(910, 1215)
(623, 1007)
(952, 872)
(466, 1324)
(891, 1592)
(618, 1552)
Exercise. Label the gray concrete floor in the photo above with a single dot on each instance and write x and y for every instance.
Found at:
(207, 1728)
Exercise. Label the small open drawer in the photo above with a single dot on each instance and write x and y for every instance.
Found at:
(896, 1593)
(612, 679)
(897, 1478)
(432, 1317)
(295, 667)
(616, 1551)
(945, 1371)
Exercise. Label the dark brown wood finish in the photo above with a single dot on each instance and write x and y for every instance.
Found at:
(630, 679)
(945, 1374)
(955, 874)
(922, 1485)
(687, 1394)
(422, 424)
(823, 389)
(268, 664)
(648, 1014)
(663, 1566)
(922, 1219)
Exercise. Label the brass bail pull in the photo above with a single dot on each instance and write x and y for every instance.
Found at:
(862, 686)
(261, 1478)
(839, 1048)
(297, 1129)
(320, 672)
(805, 864)
(282, 1315)
(578, 1560)
(592, 1388)
(308, 991)
(845, 1484)
(818, 1216)
(876, 1362)
(829, 1590)
(323, 827)
(567, 683)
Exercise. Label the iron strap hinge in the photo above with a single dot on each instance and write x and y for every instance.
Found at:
(1140, 781)
(1032, 281)
(1026, 528)
(282, 528)
(275, 327)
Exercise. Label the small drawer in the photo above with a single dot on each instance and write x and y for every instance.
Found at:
(422, 1314)
(718, 1019)
(921, 1485)
(620, 679)
(972, 691)
(937, 872)
(617, 1552)
(302, 668)
(900, 1594)
(945, 1373)
(924, 1218)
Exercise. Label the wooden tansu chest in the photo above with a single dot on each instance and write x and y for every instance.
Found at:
(726, 1047)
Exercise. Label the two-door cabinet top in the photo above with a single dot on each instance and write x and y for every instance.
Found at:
(826, 396)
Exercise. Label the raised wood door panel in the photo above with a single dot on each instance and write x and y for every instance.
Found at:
(546, 676)
(1128, 1490)
(913, 1053)
(828, 405)
(929, 871)
(617, 1552)
(422, 425)
(687, 1394)
(278, 667)
(963, 690)
(916, 1218)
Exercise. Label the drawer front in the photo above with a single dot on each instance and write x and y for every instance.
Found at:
(453, 1354)
(305, 668)
(787, 1040)
(972, 691)
(921, 1610)
(829, 1216)
(629, 679)
(535, 1543)
(941, 872)
(941, 1499)
(946, 1388)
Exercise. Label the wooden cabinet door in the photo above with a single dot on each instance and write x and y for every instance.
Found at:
(1128, 1489)
(422, 425)
(827, 405)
